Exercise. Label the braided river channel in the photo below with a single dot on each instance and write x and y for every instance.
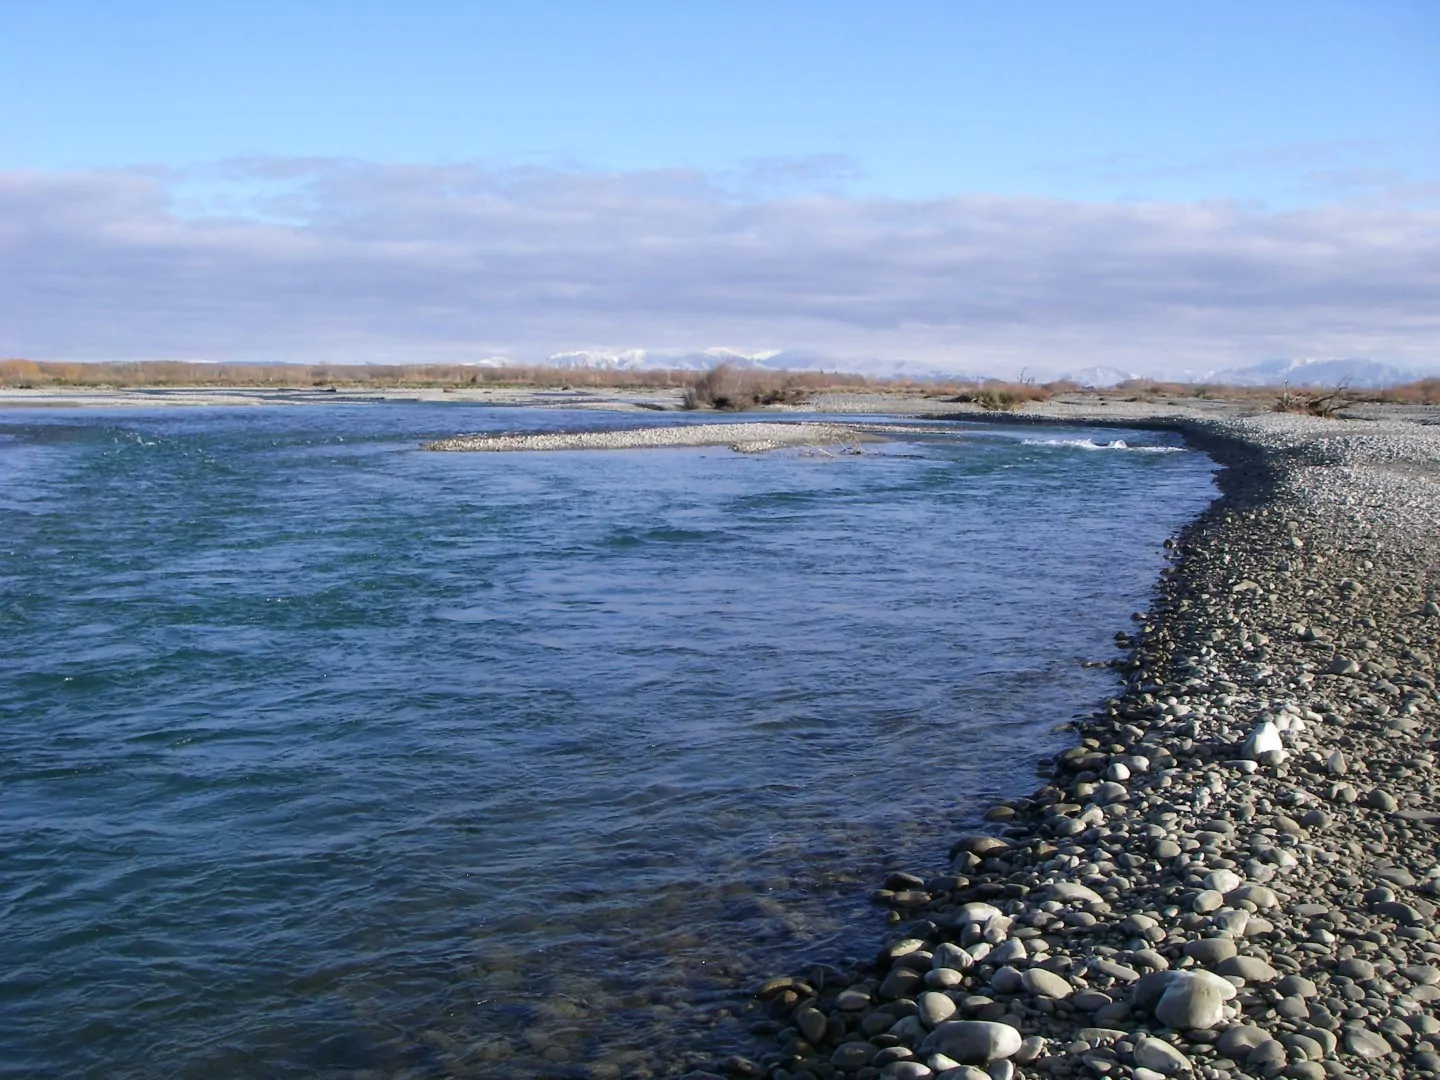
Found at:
(325, 756)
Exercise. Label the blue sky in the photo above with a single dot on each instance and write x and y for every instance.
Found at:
(1082, 100)
(1273, 108)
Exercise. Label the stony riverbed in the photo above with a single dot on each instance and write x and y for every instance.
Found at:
(742, 437)
(1234, 872)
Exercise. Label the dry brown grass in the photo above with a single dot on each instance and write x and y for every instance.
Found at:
(737, 387)
(166, 373)
(1154, 390)
(1422, 392)
(757, 387)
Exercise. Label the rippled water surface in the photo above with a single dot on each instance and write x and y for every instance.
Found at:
(325, 756)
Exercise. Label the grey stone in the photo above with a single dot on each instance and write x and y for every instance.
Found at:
(1223, 881)
(1190, 1004)
(1209, 951)
(906, 1070)
(900, 982)
(1046, 984)
(1250, 968)
(1365, 1044)
(1404, 914)
(1150, 959)
(1302, 1046)
(853, 1055)
(1007, 980)
(1396, 875)
(1071, 892)
(1268, 1059)
(1379, 799)
(812, 1024)
(1355, 967)
(1262, 897)
(1008, 952)
(934, 1008)
(1090, 1000)
(972, 1042)
(1293, 1007)
(1421, 974)
(1030, 1051)
(1109, 792)
(1238, 1041)
(1160, 1056)
(1118, 972)
(1298, 986)
(975, 912)
(1426, 1061)
(965, 1072)
(951, 956)
(1206, 901)
(1327, 1040)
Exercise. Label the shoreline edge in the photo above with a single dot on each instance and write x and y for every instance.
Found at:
(1234, 872)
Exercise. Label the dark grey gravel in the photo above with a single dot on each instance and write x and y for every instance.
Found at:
(1233, 873)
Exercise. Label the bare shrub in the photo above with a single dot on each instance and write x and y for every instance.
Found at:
(719, 388)
(728, 387)
(997, 396)
(1323, 403)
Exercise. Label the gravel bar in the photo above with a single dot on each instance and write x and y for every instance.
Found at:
(747, 438)
(1234, 872)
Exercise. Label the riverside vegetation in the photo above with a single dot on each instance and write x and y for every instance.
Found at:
(1234, 873)
(724, 387)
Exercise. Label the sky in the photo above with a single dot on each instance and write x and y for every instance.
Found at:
(1166, 188)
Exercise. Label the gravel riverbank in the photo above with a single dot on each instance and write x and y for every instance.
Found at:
(1234, 873)
(747, 438)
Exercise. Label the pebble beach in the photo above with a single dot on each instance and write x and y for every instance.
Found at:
(742, 437)
(1233, 873)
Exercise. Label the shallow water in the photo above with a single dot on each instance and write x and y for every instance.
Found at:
(326, 756)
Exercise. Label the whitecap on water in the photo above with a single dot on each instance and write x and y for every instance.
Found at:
(1116, 444)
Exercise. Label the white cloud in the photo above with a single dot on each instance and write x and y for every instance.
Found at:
(343, 260)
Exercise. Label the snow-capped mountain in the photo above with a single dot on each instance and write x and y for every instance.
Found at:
(1099, 378)
(1357, 372)
(642, 359)
(772, 360)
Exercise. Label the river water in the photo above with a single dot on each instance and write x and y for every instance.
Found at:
(325, 756)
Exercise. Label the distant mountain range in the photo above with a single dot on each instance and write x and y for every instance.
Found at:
(1358, 372)
(788, 360)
